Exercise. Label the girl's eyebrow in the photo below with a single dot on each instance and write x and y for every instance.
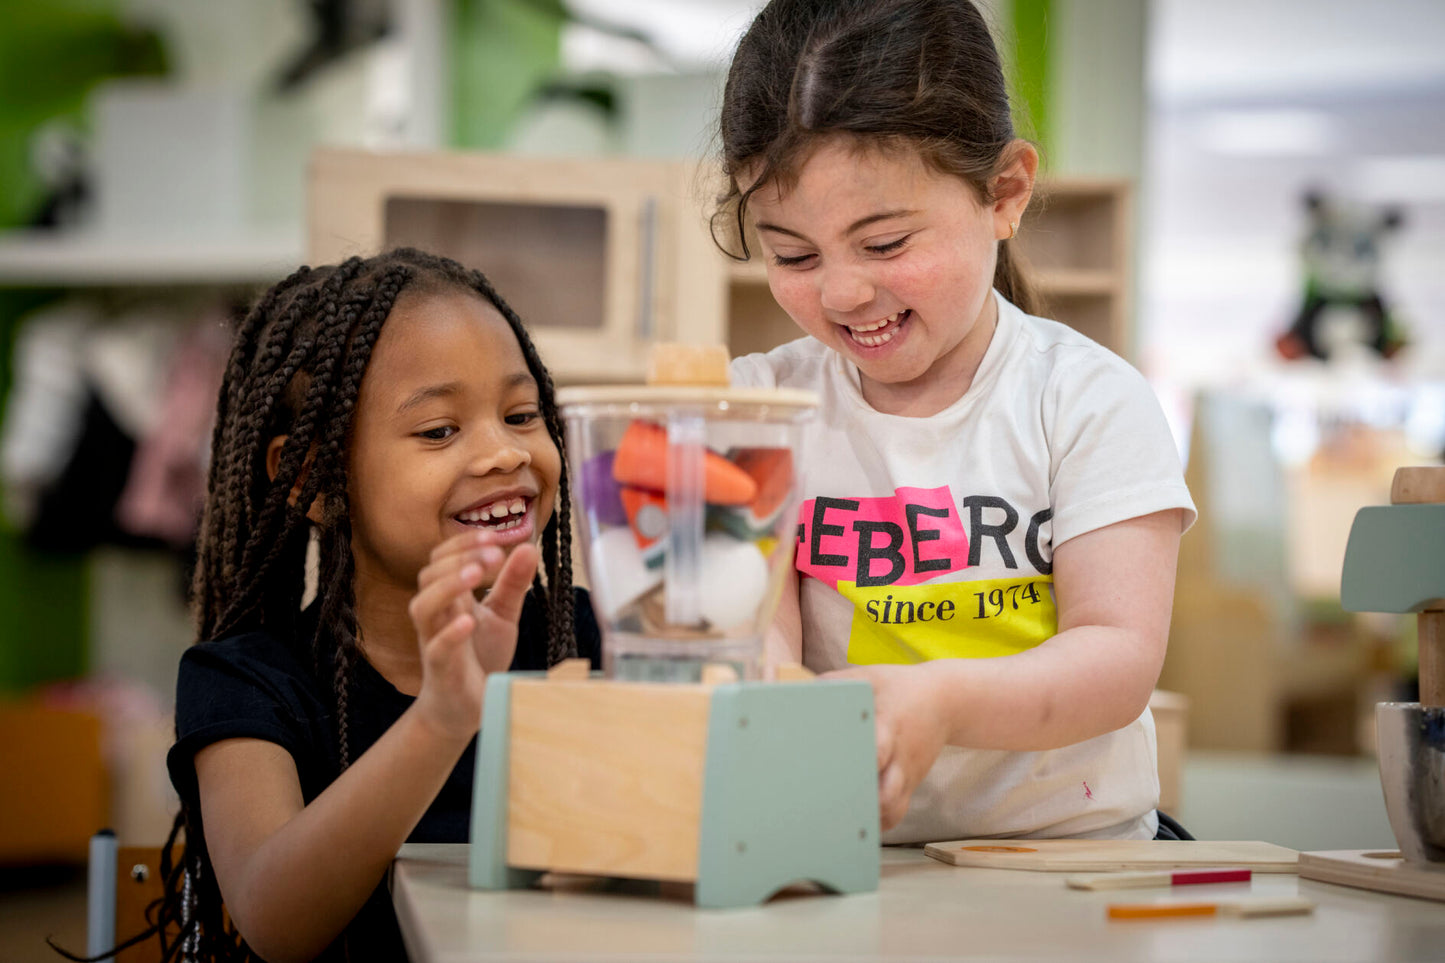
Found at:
(857, 225)
(516, 380)
(427, 393)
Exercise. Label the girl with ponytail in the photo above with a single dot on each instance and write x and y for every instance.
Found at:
(993, 502)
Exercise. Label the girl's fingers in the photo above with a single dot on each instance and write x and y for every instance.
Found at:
(509, 590)
(438, 649)
(489, 556)
(892, 801)
(885, 744)
(435, 604)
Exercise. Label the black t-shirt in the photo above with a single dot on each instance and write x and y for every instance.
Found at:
(259, 686)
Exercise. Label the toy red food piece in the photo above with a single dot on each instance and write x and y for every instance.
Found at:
(771, 469)
(646, 515)
(641, 462)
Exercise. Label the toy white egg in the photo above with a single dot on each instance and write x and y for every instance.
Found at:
(734, 577)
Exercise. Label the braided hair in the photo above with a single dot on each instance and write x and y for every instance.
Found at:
(295, 370)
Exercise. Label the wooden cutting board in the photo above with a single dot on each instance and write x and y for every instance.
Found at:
(1385, 872)
(1111, 855)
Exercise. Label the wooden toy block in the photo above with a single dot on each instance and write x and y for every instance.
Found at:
(1395, 562)
(1387, 872)
(740, 788)
(570, 669)
(1417, 486)
(793, 672)
(688, 364)
(718, 673)
(1112, 855)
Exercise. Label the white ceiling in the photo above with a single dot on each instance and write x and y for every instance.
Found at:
(1276, 50)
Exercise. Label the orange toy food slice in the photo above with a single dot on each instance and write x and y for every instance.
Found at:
(646, 515)
(642, 462)
(771, 469)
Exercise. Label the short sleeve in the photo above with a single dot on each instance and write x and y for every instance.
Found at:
(249, 686)
(752, 371)
(1112, 455)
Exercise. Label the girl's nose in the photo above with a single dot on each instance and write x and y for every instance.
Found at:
(498, 451)
(843, 288)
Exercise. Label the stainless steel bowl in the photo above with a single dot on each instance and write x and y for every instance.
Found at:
(1412, 773)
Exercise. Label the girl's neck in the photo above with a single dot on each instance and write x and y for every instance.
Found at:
(387, 637)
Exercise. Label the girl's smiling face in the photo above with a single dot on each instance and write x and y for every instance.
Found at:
(890, 263)
(448, 436)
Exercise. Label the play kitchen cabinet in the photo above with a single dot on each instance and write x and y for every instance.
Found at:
(603, 256)
(600, 257)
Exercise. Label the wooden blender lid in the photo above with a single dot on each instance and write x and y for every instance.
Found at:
(679, 374)
(705, 396)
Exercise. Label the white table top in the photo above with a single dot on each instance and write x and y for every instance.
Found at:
(923, 909)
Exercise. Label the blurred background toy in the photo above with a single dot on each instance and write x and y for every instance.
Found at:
(1343, 303)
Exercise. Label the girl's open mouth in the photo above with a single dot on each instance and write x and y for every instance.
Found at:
(878, 333)
(503, 515)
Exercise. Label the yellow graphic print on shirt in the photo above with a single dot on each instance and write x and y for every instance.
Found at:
(971, 620)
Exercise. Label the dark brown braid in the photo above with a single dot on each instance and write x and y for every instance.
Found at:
(295, 369)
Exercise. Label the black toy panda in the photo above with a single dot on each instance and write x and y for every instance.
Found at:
(1341, 255)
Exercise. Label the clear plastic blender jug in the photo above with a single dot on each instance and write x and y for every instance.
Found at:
(686, 503)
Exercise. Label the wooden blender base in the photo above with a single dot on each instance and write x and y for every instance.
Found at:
(1383, 871)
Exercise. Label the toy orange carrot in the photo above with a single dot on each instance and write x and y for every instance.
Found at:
(642, 462)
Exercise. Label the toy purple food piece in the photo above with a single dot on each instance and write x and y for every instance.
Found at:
(600, 491)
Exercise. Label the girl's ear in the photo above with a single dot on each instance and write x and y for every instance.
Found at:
(273, 463)
(1012, 188)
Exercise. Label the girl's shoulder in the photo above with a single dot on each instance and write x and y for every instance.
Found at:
(249, 668)
(796, 364)
(1054, 355)
(259, 650)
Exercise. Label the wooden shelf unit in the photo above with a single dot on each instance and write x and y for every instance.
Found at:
(1076, 240)
(603, 256)
(83, 259)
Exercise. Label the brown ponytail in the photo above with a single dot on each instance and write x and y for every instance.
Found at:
(1011, 279)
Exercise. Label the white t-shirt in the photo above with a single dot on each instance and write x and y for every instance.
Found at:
(928, 538)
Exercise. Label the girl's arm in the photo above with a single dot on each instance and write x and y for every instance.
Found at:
(1115, 589)
(783, 640)
(293, 875)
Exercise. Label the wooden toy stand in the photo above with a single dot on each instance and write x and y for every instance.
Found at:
(1395, 562)
(740, 788)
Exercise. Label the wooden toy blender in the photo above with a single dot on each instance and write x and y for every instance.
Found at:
(681, 763)
(1395, 562)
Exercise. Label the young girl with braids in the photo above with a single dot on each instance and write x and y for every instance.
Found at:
(993, 502)
(394, 410)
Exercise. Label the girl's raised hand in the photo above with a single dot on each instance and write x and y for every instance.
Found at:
(461, 638)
